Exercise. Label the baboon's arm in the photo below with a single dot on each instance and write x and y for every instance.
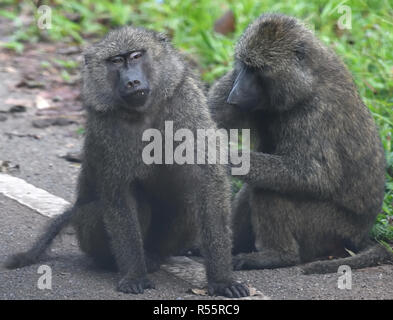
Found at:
(121, 221)
(290, 174)
(216, 236)
(123, 226)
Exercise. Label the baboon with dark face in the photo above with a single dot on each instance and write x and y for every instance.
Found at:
(129, 214)
(316, 179)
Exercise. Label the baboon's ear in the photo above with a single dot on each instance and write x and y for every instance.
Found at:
(162, 37)
(300, 50)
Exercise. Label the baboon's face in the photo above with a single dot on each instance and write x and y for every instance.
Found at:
(130, 69)
(129, 75)
(273, 69)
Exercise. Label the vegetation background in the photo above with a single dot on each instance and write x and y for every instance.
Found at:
(366, 48)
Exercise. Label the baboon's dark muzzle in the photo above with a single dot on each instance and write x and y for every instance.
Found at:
(246, 90)
(134, 87)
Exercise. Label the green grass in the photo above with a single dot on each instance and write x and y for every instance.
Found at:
(367, 48)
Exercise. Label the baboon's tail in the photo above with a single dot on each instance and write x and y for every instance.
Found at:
(371, 256)
(43, 242)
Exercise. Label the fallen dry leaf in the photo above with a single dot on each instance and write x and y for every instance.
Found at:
(199, 292)
(255, 292)
(350, 252)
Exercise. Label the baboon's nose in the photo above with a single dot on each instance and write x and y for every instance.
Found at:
(133, 83)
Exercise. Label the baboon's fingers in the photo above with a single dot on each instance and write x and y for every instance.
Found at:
(243, 290)
(235, 292)
(228, 293)
(231, 290)
(239, 290)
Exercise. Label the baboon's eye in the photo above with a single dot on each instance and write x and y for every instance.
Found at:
(117, 60)
(300, 51)
(136, 55)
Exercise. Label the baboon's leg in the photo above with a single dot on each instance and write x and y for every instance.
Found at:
(243, 235)
(274, 241)
(266, 259)
(145, 212)
(120, 218)
(269, 258)
(94, 240)
(212, 208)
(92, 235)
(289, 231)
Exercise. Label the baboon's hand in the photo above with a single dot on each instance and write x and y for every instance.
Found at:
(135, 286)
(19, 260)
(230, 289)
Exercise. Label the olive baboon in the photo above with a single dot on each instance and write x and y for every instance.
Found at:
(129, 213)
(316, 180)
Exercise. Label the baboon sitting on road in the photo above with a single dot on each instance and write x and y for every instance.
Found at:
(316, 179)
(130, 214)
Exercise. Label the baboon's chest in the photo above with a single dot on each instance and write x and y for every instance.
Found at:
(163, 184)
(267, 133)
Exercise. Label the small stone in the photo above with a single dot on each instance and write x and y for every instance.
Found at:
(17, 108)
(42, 123)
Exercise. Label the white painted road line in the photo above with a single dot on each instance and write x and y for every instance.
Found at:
(37, 199)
